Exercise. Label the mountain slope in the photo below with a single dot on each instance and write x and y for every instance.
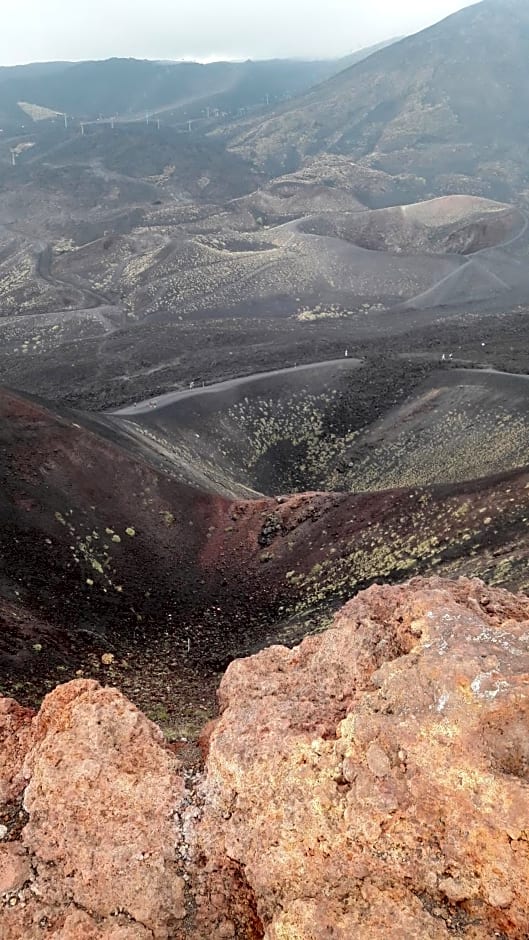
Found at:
(101, 548)
(129, 87)
(32, 70)
(361, 54)
(448, 105)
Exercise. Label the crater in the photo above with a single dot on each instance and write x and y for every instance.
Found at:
(196, 527)
(461, 225)
(343, 426)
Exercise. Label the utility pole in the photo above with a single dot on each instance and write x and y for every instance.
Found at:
(13, 158)
(82, 130)
(189, 126)
(267, 98)
(66, 121)
(146, 117)
(158, 123)
(112, 122)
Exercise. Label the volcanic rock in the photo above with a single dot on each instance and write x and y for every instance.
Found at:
(370, 783)
(100, 845)
(15, 731)
(373, 781)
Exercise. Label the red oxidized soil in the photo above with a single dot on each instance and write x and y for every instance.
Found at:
(102, 551)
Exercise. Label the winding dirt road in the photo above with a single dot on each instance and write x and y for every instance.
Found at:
(195, 391)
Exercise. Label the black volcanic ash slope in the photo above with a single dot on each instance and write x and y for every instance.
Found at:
(273, 433)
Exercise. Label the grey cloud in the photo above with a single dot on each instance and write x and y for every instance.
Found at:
(34, 30)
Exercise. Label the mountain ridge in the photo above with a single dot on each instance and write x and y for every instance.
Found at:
(128, 85)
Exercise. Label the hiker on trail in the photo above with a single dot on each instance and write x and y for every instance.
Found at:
(346, 353)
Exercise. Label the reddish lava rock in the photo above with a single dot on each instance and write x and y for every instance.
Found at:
(100, 845)
(373, 782)
(15, 732)
(370, 783)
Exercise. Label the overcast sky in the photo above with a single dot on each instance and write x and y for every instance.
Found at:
(40, 30)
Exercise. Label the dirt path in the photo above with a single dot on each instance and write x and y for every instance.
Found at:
(44, 259)
(161, 401)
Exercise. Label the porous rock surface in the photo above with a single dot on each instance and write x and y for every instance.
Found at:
(97, 857)
(373, 782)
(15, 734)
(370, 783)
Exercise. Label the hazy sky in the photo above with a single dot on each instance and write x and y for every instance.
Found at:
(39, 30)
